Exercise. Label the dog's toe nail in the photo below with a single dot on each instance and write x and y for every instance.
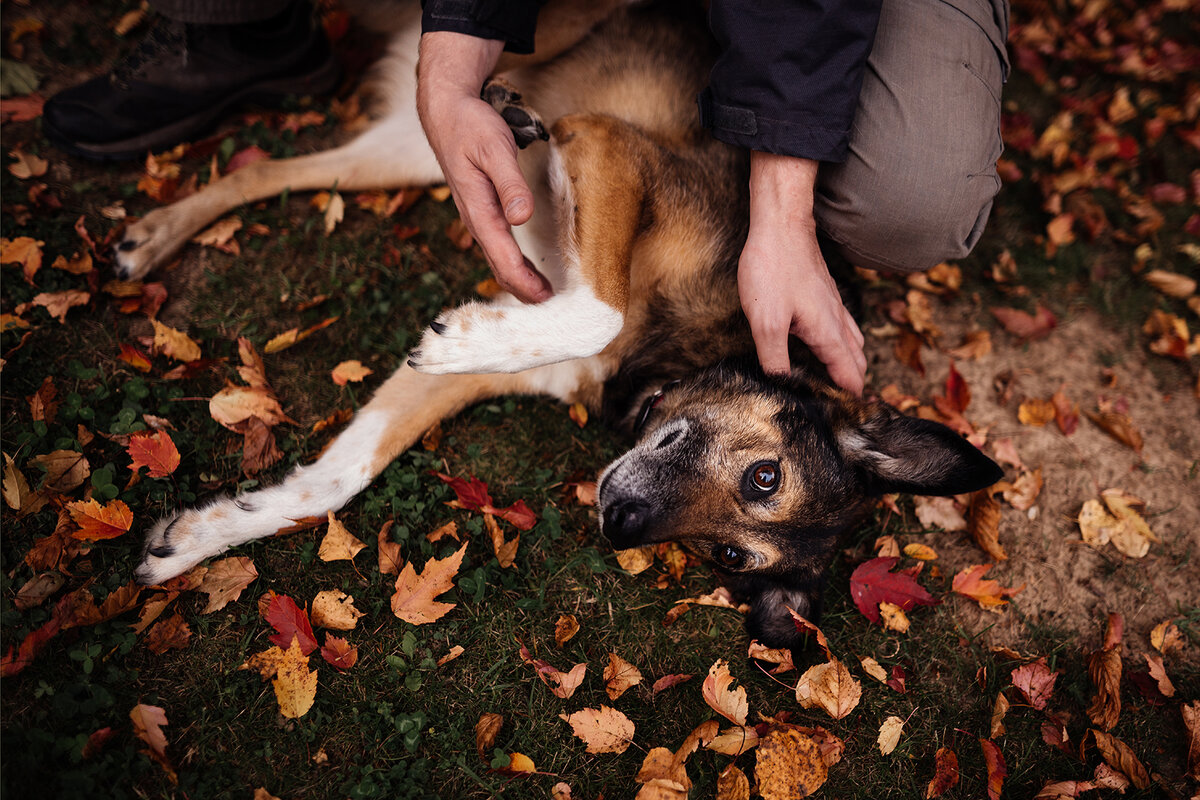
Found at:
(161, 551)
(414, 360)
(438, 327)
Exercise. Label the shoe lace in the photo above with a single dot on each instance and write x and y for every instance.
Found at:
(167, 37)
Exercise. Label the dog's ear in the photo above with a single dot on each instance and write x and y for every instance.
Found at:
(898, 453)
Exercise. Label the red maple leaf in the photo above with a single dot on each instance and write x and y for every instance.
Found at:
(472, 494)
(290, 622)
(872, 584)
(63, 617)
(156, 451)
(957, 391)
(339, 652)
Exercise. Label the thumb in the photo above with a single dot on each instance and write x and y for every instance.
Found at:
(515, 196)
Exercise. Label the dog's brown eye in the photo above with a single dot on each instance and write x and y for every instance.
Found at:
(760, 480)
(727, 556)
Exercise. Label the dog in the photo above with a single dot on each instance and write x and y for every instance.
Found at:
(641, 218)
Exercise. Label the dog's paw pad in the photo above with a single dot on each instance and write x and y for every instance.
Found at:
(523, 121)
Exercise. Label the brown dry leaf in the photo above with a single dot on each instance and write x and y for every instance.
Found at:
(334, 609)
(1171, 284)
(77, 265)
(976, 345)
(566, 627)
(1158, 671)
(999, 709)
(894, 618)
(945, 776)
(339, 653)
(350, 372)
(887, 547)
(225, 580)
(668, 681)
(729, 703)
(339, 544)
(1066, 413)
(1166, 638)
(174, 343)
(889, 735)
(334, 207)
(24, 251)
(1119, 426)
(27, 165)
(414, 598)
(663, 777)
(1191, 725)
(562, 684)
(874, 669)
(57, 303)
(451, 654)
(830, 687)
(486, 729)
(620, 676)
(603, 729)
(636, 560)
(390, 560)
(734, 741)
(1023, 493)
(983, 523)
(505, 551)
(1104, 669)
(1036, 412)
(220, 235)
(732, 784)
(295, 684)
(267, 662)
(148, 722)
(65, 470)
(939, 512)
(236, 404)
(432, 437)
(169, 634)
(1124, 527)
(561, 791)
(35, 591)
(1119, 756)
(781, 657)
(1024, 325)
(17, 492)
(789, 765)
(449, 530)
(1035, 682)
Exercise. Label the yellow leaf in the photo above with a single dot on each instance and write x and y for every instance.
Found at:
(350, 371)
(603, 729)
(889, 734)
(734, 741)
(729, 703)
(921, 552)
(414, 598)
(295, 685)
(334, 609)
(894, 618)
(637, 560)
(519, 762)
(339, 544)
(174, 343)
(789, 764)
(27, 165)
(830, 687)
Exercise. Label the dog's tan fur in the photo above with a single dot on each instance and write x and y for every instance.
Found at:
(640, 218)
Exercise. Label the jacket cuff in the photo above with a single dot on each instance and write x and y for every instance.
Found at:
(743, 127)
(513, 23)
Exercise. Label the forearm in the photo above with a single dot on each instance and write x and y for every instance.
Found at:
(452, 65)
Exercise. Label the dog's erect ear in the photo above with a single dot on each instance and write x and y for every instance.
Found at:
(898, 453)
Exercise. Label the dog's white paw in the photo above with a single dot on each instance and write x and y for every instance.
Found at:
(473, 338)
(147, 244)
(176, 544)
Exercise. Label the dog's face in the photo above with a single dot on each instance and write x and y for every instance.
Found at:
(761, 476)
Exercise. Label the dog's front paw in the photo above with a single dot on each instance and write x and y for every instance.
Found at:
(173, 546)
(523, 121)
(468, 339)
(146, 245)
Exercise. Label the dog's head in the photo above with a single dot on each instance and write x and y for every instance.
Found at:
(762, 476)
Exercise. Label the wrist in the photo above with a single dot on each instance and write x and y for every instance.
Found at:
(454, 64)
(782, 189)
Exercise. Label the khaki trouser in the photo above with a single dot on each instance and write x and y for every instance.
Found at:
(918, 185)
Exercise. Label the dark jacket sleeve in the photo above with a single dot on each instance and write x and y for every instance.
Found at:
(511, 21)
(789, 73)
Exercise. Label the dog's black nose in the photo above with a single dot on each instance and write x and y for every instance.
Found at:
(625, 521)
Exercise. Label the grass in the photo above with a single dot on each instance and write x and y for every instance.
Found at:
(398, 725)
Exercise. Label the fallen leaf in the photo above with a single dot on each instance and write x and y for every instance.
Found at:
(1026, 326)
(729, 703)
(578, 414)
(997, 771)
(57, 303)
(339, 544)
(78, 264)
(1158, 671)
(236, 404)
(789, 764)
(1035, 682)
(414, 598)
(25, 251)
(620, 676)
(451, 654)
(388, 554)
(174, 343)
(350, 372)
(505, 551)
(334, 609)
(830, 687)
(134, 358)
(562, 684)
(920, 552)
(1035, 412)
(294, 335)
(290, 623)
(561, 791)
(17, 492)
(96, 742)
(566, 627)
(983, 523)
(734, 741)
(732, 784)
(155, 451)
(65, 470)
(873, 668)
(148, 722)
(1119, 756)
(636, 560)
(520, 763)
(98, 522)
(781, 657)
(889, 735)
(447, 531)
(27, 165)
(220, 235)
(486, 729)
(339, 652)
(1191, 726)
(939, 512)
(976, 345)
(1124, 527)
(603, 729)
(668, 681)
(38, 589)
(1171, 284)
(1022, 493)
(168, 634)
(295, 684)
(871, 583)
(999, 709)
(945, 775)
(988, 593)
(1104, 669)
(894, 618)
(1118, 426)
(663, 776)
(1166, 638)
(1066, 413)
(225, 581)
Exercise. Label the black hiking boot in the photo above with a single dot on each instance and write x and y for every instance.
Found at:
(183, 78)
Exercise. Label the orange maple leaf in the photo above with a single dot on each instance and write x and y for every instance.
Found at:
(989, 594)
(100, 522)
(156, 451)
(414, 598)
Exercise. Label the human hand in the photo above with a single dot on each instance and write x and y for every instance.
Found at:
(477, 154)
(783, 281)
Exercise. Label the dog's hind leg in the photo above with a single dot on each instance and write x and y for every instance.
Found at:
(393, 153)
(598, 170)
(403, 408)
